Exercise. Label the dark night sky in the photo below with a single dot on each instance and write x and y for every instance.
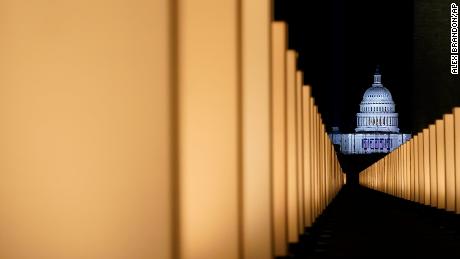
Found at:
(340, 45)
(340, 42)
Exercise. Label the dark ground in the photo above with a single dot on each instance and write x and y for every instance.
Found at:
(363, 223)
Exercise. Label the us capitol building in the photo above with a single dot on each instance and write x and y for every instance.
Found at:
(377, 124)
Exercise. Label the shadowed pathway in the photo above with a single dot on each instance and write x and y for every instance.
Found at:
(361, 222)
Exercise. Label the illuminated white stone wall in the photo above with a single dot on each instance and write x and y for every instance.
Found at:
(367, 143)
(376, 124)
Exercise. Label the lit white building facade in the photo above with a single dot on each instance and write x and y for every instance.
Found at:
(377, 124)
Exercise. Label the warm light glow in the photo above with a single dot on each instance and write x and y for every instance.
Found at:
(300, 163)
(292, 177)
(449, 161)
(415, 168)
(209, 122)
(85, 130)
(433, 166)
(421, 174)
(156, 130)
(279, 137)
(441, 164)
(426, 165)
(256, 92)
(412, 169)
(306, 92)
(456, 113)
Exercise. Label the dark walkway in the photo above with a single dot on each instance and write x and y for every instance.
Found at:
(364, 223)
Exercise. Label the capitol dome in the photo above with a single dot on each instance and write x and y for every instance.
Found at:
(377, 109)
(377, 94)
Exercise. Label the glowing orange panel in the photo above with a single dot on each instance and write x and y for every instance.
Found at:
(426, 166)
(279, 137)
(292, 177)
(456, 113)
(450, 161)
(408, 169)
(313, 159)
(433, 167)
(421, 176)
(210, 164)
(306, 93)
(412, 169)
(86, 131)
(406, 161)
(299, 143)
(416, 175)
(316, 173)
(403, 171)
(256, 89)
(441, 164)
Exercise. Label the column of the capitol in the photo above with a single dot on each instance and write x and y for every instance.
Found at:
(279, 181)
(292, 212)
(256, 117)
(449, 161)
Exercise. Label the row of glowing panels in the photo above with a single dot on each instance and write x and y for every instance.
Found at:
(426, 169)
(155, 129)
(306, 171)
